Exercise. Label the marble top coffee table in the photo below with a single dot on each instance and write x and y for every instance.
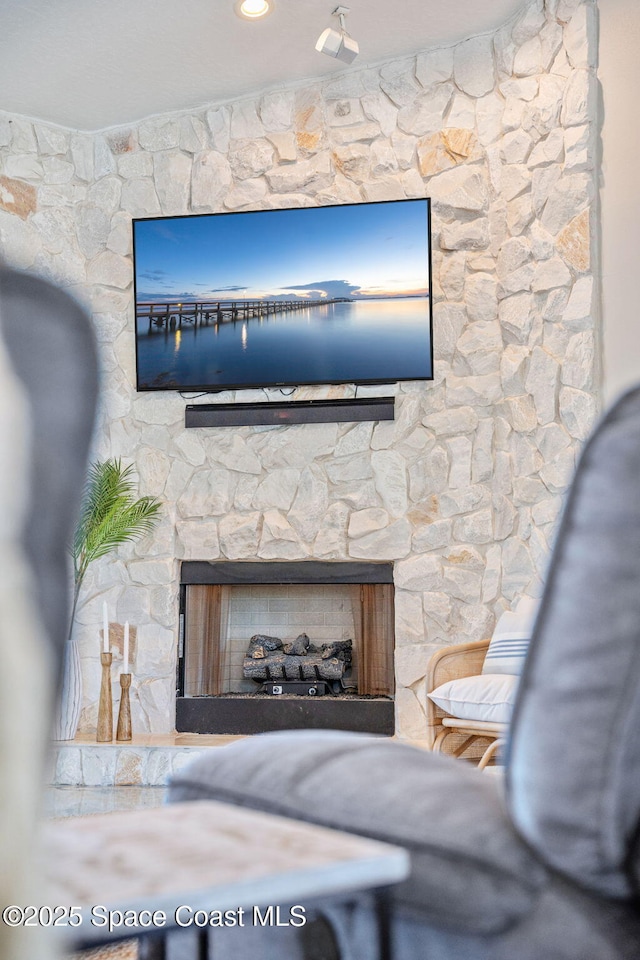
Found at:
(159, 867)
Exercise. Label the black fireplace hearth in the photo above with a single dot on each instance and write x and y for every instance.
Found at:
(285, 645)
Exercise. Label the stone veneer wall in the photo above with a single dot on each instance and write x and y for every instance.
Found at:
(464, 488)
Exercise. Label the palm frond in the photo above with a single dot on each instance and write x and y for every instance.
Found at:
(110, 514)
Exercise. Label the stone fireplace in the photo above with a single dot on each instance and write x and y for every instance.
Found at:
(280, 645)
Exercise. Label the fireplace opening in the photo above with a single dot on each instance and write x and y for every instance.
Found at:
(282, 645)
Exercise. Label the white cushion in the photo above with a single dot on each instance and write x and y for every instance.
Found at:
(510, 640)
(483, 697)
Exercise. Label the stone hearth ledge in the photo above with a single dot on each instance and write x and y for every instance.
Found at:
(148, 761)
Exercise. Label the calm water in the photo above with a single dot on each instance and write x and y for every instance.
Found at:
(383, 340)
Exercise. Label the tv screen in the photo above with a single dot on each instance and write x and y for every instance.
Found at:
(312, 295)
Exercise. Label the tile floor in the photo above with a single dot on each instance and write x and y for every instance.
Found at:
(83, 801)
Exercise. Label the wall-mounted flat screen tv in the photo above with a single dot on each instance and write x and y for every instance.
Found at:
(312, 295)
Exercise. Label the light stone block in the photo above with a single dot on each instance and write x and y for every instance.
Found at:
(409, 618)
(411, 721)
(579, 98)
(392, 543)
(477, 622)
(489, 118)
(173, 182)
(549, 274)
(397, 80)
(552, 439)
(151, 572)
(206, 494)
(382, 111)
(412, 661)
(156, 651)
(390, 478)
(98, 767)
(465, 236)
(462, 584)
(528, 58)
(418, 573)
(491, 579)
(579, 309)
(460, 449)
(219, 124)
(557, 473)
(331, 541)
(363, 522)
(580, 37)
(210, 180)
(159, 134)
(239, 535)
(310, 504)
(245, 122)
(579, 362)
(250, 158)
(23, 168)
(473, 67)
(233, 453)
(475, 390)
(276, 110)
(133, 605)
(462, 113)
(277, 490)
(111, 270)
(197, 539)
(449, 321)
(518, 569)
(481, 345)
(523, 414)
(68, 766)
(516, 315)
(57, 170)
(574, 242)
(434, 66)
(93, 227)
(577, 411)
(424, 115)
(156, 699)
(454, 502)
(305, 176)
(463, 419)
(433, 536)
(193, 134)
(461, 190)
(285, 145)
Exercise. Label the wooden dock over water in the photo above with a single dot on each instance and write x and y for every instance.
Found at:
(171, 314)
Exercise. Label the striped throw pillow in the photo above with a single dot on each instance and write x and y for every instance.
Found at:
(510, 641)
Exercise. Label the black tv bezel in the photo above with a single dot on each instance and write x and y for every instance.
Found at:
(272, 385)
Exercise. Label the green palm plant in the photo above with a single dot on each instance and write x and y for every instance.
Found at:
(110, 515)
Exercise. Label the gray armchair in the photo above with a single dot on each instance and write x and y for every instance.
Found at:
(549, 871)
(48, 387)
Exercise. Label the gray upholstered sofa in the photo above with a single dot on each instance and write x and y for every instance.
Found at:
(549, 871)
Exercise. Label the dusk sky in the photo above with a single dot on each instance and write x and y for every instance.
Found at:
(358, 250)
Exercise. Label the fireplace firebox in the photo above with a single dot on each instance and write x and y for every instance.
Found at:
(285, 645)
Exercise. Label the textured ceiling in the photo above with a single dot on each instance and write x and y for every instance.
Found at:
(90, 64)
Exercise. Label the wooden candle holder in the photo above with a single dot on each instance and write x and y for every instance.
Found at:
(123, 731)
(105, 708)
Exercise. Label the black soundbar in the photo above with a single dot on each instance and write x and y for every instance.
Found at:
(285, 412)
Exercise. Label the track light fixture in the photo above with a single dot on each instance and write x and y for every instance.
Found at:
(336, 43)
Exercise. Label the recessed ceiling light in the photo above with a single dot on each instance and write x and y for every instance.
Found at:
(253, 9)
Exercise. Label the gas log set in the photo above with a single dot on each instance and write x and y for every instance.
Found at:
(271, 660)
